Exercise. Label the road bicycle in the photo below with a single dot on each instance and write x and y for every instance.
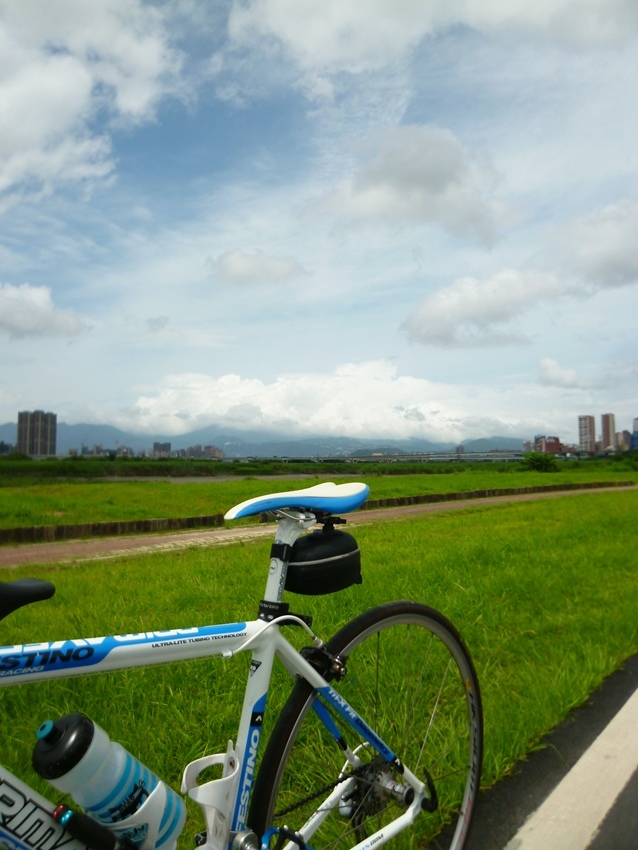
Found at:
(381, 738)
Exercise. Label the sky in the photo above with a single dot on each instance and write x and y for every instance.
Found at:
(364, 218)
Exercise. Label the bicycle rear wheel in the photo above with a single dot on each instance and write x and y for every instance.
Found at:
(410, 677)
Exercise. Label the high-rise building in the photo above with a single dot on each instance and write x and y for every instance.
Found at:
(37, 433)
(623, 440)
(608, 422)
(587, 433)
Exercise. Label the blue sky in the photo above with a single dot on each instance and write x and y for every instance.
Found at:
(391, 218)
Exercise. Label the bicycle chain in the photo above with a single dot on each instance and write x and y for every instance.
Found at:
(357, 771)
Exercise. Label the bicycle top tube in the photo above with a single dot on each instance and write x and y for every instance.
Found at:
(328, 498)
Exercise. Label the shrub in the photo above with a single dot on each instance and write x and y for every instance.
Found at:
(540, 462)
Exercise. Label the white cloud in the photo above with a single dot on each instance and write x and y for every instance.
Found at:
(552, 374)
(578, 22)
(357, 399)
(603, 246)
(470, 313)
(123, 46)
(330, 36)
(258, 267)
(29, 311)
(420, 174)
(43, 142)
(60, 65)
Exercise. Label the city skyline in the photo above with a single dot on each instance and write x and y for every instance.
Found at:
(36, 435)
(320, 216)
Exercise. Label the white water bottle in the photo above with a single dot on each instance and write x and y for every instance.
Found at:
(76, 756)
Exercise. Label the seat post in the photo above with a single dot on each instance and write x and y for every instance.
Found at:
(290, 526)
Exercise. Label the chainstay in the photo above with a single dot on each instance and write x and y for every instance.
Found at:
(356, 773)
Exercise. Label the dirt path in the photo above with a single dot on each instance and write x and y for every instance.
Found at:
(111, 547)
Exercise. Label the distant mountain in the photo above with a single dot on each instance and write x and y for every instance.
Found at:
(8, 433)
(252, 443)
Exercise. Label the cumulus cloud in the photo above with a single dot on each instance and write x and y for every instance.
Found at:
(365, 399)
(552, 374)
(420, 174)
(258, 267)
(29, 311)
(330, 36)
(599, 252)
(369, 400)
(61, 64)
(603, 246)
(471, 313)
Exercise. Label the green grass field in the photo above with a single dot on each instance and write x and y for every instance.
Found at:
(71, 502)
(544, 593)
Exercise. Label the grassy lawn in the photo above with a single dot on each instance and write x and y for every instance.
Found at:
(544, 593)
(82, 502)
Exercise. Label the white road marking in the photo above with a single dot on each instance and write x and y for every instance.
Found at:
(571, 815)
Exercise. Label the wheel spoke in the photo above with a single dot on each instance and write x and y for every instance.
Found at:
(409, 676)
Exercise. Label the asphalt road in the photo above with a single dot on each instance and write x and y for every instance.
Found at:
(564, 778)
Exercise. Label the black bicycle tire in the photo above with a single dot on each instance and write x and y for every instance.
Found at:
(292, 715)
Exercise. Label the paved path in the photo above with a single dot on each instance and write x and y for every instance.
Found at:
(108, 547)
(582, 811)
(579, 790)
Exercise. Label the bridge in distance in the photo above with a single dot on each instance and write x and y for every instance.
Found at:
(429, 457)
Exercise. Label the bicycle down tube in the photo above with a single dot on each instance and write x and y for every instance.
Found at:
(41, 661)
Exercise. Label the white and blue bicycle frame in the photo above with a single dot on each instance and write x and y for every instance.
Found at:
(224, 801)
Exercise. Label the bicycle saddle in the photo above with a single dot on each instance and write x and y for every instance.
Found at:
(327, 498)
